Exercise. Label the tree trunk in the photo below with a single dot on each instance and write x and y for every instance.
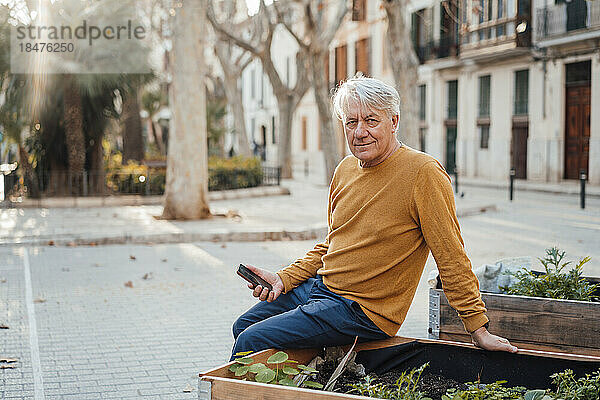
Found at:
(284, 148)
(405, 64)
(97, 175)
(187, 163)
(74, 137)
(133, 142)
(157, 137)
(327, 137)
(234, 98)
(31, 181)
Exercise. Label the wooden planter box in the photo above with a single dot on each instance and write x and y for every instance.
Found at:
(536, 323)
(459, 361)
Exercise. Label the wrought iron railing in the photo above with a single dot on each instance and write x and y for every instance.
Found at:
(560, 19)
(145, 182)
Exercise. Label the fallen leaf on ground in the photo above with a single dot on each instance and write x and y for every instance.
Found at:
(6, 366)
(2, 280)
(3, 326)
(92, 244)
(72, 244)
(147, 276)
(66, 269)
(164, 260)
(223, 245)
(51, 243)
(189, 388)
(178, 269)
(8, 360)
(132, 257)
(129, 284)
(39, 300)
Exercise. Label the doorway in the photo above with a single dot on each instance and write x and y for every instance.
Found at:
(577, 119)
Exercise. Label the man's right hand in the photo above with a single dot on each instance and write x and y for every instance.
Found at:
(264, 293)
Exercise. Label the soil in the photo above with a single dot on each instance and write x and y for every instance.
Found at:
(432, 385)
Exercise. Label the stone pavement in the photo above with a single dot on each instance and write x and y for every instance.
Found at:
(298, 216)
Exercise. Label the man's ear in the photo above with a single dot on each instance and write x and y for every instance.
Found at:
(395, 119)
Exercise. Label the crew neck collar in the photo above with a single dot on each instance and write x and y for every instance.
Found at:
(383, 163)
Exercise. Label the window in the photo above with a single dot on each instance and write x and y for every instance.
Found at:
(359, 10)
(287, 71)
(273, 130)
(484, 136)
(422, 138)
(521, 92)
(341, 59)
(304, 133)
(252, 84)
(484, 96)
(452, 99)
(361, 56)
(422, 102)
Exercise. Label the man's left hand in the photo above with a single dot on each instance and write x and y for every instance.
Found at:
(485, 340)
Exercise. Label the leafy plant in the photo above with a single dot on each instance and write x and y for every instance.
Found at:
(405, 387)
(280, 374)
(554, 283)
(585, 388)
(496, 391)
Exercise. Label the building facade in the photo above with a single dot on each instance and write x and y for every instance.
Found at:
(503, 84)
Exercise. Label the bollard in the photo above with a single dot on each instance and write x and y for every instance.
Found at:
(512, 183)
(455, 180)
(582, 179)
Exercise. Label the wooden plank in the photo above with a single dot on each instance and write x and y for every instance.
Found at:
(565, 325)
(228, 389)
(466, 338)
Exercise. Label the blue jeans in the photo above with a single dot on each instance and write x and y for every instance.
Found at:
(310, 316)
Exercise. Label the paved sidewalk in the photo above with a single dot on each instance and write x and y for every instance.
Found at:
(298, 216)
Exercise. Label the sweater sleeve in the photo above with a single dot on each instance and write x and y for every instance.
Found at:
(435, 210)
(307, 266)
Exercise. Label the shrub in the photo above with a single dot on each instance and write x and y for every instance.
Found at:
(223, 174)
(554, 283)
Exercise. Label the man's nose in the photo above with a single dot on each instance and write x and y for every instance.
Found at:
(361, 130)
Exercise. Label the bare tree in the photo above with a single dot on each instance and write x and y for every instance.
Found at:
(405, 64)
(187, 164)
(314, 36)
(257, 39)
(233, 60)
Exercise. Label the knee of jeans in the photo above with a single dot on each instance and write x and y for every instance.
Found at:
(238, 327)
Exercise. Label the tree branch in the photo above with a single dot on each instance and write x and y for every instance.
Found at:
(282, 20)
(328, 35)
(210, 12)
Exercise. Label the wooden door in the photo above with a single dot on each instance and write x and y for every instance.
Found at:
(518, 151)
(577, 130)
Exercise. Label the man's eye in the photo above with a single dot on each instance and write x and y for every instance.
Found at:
(372, 122)
(351, 124)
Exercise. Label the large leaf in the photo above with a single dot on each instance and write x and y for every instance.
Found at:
(256, 368)
(312, 384)
(244, 360)
(290, 371)
(537, 394)
(234, 367)
(287, 382)
(265, 375)
(278, 358)
(242, 370)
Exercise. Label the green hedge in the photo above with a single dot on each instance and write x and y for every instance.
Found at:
(224, 174)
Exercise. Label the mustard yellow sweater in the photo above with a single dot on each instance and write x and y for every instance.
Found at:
(383, 221)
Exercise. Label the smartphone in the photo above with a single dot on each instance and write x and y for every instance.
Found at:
(251, 277)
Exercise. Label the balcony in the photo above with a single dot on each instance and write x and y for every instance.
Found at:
(445, 47)
(566, 22)
(496, 38)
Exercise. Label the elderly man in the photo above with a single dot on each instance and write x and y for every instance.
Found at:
(389, 205)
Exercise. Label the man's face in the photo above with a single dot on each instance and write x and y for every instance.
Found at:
(370, 134)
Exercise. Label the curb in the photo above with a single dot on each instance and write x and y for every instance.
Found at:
(138, 200)
(590, 191)
(314, 232)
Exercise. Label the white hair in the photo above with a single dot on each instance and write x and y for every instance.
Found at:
(369, 93)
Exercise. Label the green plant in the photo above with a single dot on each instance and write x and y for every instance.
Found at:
(554, 283)
(405, 387)
(585, 388)
(480, 391)
(281, 374)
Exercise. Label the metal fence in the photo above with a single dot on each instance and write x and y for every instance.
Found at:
(146, 183)
(558, 19)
